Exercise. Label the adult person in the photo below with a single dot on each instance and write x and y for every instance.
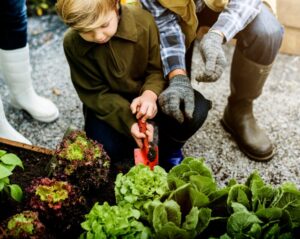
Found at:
(15, 67)
(259, 36)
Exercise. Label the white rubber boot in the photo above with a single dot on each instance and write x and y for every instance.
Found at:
(15, 66)
(7, 131)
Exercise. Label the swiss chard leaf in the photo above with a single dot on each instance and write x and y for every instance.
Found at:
(241, 224)
(241, 194)
(191, 219)
(288, 199)
(203, 184)
(173, 212)
(187, 197)
(204, 219)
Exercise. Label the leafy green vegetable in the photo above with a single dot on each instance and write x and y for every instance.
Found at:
(288, 199)
(54, 199)
(105, 221)
(168, 221)
(8, 162)
(81, 160)
(23, 225)
(262, 211)
(187, 203)
(182, 212)
(140, 186)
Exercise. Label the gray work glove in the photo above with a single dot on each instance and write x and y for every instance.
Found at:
(179, 92)
(213, 57)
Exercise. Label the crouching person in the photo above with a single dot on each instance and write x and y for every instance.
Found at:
(114, 58)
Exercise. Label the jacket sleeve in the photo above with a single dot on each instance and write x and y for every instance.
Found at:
(172, 40)
(236, 16)
(95, 93)
(154, 79)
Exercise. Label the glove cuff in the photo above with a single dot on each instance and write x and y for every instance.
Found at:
(216, 35)
(180, 79)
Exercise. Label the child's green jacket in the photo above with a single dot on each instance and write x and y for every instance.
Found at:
(108, 76)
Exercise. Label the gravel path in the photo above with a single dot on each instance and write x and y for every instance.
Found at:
(277, 110)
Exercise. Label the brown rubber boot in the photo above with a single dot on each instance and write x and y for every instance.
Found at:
(247, 81)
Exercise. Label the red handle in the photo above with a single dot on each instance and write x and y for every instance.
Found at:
(143, 128)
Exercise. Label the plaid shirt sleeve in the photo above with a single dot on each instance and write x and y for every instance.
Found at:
(236, 16)
(172, 40)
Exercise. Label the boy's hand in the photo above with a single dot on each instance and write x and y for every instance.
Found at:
(138, 136)
(145, 105)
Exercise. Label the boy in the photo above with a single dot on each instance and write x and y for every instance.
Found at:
(114, 58)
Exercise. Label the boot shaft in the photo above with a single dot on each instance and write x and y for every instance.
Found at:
(16, 70)
(246, 83)
(15, 65)
(247, 78)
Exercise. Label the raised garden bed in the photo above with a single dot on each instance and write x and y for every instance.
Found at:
(35, 161)
(140, 203)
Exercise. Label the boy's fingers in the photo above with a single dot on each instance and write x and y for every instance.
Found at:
(143, 112)
(139, 142)
(150, 132)
(144, 108)
(150, 127)
(135, 106)
(150, 114)
(149, 135)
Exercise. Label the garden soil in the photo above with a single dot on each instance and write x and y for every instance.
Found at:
(35, 164)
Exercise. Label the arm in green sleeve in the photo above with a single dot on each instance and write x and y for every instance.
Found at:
(95, 93)
(154, 80)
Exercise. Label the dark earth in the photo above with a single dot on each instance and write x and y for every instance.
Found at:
(35, 164)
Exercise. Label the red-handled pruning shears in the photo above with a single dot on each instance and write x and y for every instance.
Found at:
(148, 155)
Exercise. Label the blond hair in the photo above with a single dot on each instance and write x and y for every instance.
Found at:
(84, 15)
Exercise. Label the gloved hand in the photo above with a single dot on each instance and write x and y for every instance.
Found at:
(179, 92)
(213, 57)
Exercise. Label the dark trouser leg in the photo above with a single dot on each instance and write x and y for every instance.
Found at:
(173, 135)
(13, 24)
(257, 47)
(117, 146)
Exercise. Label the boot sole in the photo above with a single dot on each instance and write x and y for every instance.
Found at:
(258, 158)
(41, 119)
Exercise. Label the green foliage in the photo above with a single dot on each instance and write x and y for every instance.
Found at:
(262, 211)
(40, 7)
(193, 205)
(114, 222)
(54, 193)
(23, 225)
(183, 211)
(81, 160)
(140, 186)
(53, 198)
(168, 221)
(8, 162)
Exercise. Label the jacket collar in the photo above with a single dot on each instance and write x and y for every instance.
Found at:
(126, 30)
(127, 26)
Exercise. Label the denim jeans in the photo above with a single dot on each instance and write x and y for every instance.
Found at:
(172, 135)
(13, 24)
